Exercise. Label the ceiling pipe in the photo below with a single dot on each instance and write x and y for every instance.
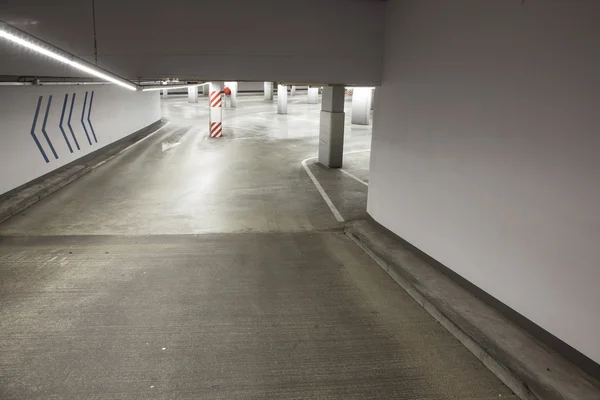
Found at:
(161, 87)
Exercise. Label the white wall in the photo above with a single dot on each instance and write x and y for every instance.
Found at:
(486, 150)
(338, 41)
(115, 113)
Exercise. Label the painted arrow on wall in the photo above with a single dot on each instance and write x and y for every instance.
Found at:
(60, 124)
(69, 121)
(48, 105)
(89, 113)
(82, 124)
(35, 139)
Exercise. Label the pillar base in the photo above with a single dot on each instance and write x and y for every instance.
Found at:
(268, 90)
(215, 100)
(233, 86)
(282, 95)
(331, 139)
(313, 95)
(361, 105)
(193, 94)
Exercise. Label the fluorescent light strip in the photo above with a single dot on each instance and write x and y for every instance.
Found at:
(63, 59)
(170, 87)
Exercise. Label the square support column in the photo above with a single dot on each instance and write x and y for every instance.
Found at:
(331, 129)
(282, 96)
(313, 95)
(165, 93)
(215, 100)
(193, 94)
(361, 105)
(268, 90)
(373, 99)
(205, 89)
(233, 86)
(293, 91)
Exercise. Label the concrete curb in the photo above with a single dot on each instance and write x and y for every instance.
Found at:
(32, 194)
(529, 368)
(16, 201)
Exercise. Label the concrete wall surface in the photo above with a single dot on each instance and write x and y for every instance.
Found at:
(113, 114)
(486, 146)
(338, 41)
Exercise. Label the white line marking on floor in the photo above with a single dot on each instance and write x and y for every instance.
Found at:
(166, 145)
(130, 146)
(334, 210)
(332, 207)
(356, 178)
(357, 151)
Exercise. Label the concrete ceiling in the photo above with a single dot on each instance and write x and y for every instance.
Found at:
(337, 41)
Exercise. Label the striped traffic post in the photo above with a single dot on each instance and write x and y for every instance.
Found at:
(215, 99)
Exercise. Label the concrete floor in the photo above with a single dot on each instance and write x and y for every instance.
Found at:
(190, 268)
(180, 182)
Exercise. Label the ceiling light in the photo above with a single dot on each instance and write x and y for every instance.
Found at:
(66, 60)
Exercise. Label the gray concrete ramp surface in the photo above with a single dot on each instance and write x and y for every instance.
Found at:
(187, 268)
(280, 316)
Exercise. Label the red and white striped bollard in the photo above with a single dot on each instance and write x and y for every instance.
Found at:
(215, 99)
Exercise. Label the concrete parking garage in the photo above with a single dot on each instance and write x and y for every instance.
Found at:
(196, 200)
(191, 268)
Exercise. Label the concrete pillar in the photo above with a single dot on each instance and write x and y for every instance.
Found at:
(361, 105)
(233, 86)
(313, 95)
(216, 109)
(268, 90)
(282, 95)
(193, 94)
(331, 130)
(205, 89)
(165, 93)
(293, 91)
(372, 99)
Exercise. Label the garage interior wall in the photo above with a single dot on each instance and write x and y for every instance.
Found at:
(113, 114)
(486, 146)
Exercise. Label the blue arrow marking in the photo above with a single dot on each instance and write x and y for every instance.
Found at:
(62, 116)
(82, 113)
(35, 139)
(44, 127)
(69, 122)
(88, 118)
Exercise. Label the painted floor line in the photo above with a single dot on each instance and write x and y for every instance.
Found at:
(130, 146)
(356, 178)
(357, 151)
(332, 207)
